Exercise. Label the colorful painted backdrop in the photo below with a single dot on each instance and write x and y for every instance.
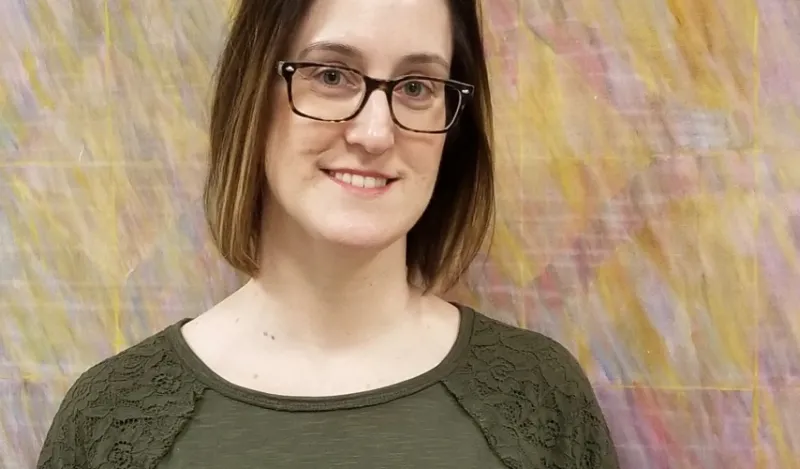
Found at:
(648, 184)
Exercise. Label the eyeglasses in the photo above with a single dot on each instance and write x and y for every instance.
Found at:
(333, 93)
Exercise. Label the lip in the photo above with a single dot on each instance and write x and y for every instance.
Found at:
(359, 172)
(369, 192)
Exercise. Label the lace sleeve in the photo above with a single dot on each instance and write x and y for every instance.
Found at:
(63, 445)
(532, 400)
(123, 413)
(589, 434)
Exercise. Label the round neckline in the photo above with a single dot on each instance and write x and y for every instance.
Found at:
(322, 403)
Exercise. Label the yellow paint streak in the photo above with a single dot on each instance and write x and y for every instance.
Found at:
(616, 290)
(545, 113)
(48, 238)
(776, 126)
(541, 110)
(703, 38)
(758, 306)
(67, 224)
(651, 244)
(143, 53)
(510, 256)
(583, 352)
(785, 167)
(599, 123)
(508, 135)
(641, 34)
(779, 222)
(718, 269)
(581, 335)
(115, 303)
(655, 248)
(699, 273)
(45, 21)
(10, 116)
(31, 69)
(774, 423)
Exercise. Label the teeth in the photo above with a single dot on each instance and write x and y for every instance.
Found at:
(360, 181)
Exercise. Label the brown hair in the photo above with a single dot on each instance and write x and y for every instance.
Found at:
(451, 231)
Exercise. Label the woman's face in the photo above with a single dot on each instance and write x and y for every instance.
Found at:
(328, 178)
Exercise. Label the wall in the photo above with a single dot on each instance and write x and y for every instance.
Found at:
(648, 191)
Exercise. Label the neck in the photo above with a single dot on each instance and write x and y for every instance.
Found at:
(318, 292)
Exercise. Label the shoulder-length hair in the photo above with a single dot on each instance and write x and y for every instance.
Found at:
(450, 232)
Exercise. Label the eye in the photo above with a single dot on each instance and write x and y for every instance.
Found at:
(334, 77)
(417, 89)
(330, 76)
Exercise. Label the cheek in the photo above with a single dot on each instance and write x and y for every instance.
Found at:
(311, 138)
(304, 138)
(429, 159)
(294, 145)
(290, 134)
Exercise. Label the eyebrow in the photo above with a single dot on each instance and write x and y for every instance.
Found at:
(421, 58)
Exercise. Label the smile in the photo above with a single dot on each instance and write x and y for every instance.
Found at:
(366, 183)
(356, 180)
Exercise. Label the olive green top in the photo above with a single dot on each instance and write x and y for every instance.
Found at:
(502, 398)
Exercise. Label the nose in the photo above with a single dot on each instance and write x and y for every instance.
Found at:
(373, 128)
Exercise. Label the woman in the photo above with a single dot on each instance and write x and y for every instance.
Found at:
(351, 177)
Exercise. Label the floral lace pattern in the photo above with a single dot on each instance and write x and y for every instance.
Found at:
(123, 413)
(526, 393)
(532, 401)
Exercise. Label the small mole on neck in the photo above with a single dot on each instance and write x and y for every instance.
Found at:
(267, 334)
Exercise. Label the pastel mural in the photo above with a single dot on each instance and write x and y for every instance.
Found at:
(648, 187)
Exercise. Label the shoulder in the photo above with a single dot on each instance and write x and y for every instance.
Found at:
(528, 354)
(531, 398)
(521, 349)
(151, 363)
(111, 407)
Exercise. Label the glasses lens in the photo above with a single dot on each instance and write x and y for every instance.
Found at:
(426, 105)
(327, 93)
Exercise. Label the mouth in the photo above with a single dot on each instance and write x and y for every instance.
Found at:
(360, 181)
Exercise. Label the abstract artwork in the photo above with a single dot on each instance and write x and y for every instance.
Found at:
(648, 190)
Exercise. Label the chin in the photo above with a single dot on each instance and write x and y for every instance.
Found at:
(359, 235)
(363, 240)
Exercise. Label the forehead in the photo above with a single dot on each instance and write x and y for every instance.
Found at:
(380, 31)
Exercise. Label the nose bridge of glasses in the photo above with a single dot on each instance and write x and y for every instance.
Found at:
(371, 85)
